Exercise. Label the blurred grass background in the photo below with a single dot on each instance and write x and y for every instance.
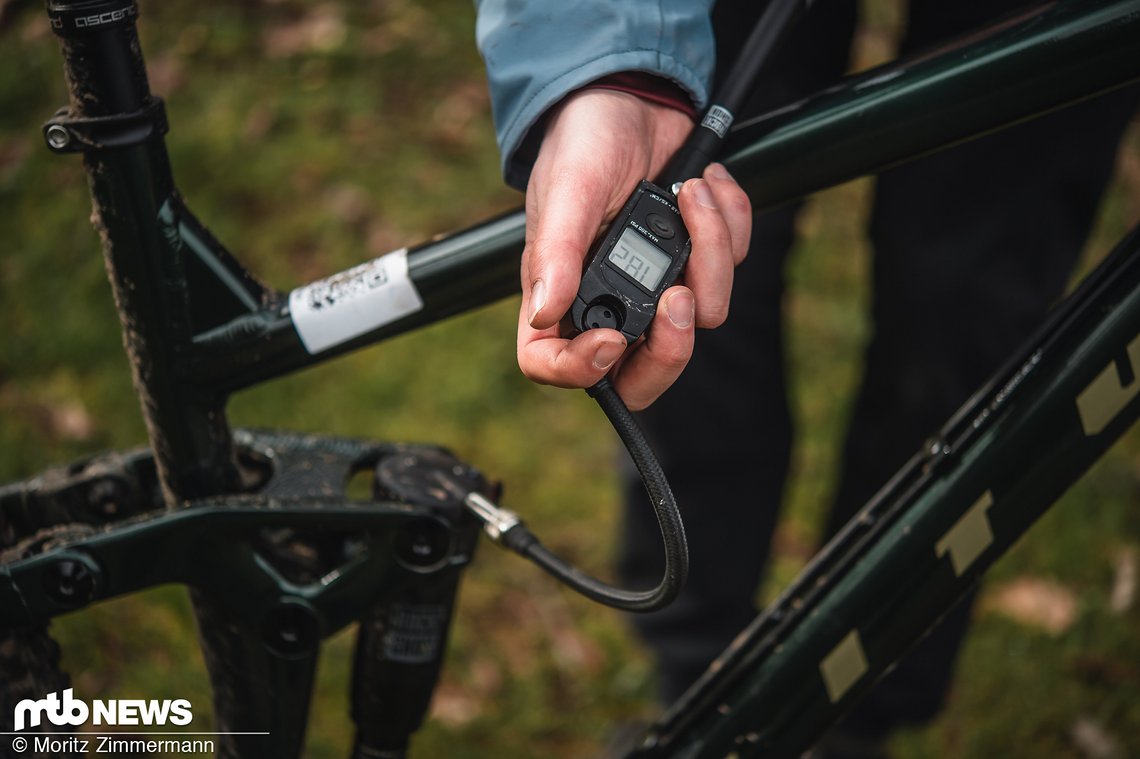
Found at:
(311, 136)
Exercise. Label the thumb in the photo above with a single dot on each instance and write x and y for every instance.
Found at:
(567, 220)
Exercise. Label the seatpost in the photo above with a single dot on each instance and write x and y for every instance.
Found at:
(118, 125)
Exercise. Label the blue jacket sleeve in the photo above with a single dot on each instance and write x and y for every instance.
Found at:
(537, 51)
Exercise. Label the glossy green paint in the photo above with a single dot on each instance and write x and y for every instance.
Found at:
(925, 540)
(776, 702)
(1050, 56)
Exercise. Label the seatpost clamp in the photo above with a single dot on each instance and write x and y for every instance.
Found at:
(65, 133)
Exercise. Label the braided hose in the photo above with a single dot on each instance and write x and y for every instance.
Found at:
(517, 537)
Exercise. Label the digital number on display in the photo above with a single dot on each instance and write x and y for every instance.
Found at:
(639, 259)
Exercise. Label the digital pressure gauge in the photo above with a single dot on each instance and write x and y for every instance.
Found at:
(638, 258)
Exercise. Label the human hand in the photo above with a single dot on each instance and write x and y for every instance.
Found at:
(597, 146)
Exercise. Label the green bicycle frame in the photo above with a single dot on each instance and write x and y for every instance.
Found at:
(198, 327)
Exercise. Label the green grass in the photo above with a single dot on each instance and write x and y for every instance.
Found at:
(310, 137)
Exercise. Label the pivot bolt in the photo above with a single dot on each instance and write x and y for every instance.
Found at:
(291, 630)
(71, 583)
(103, 497)
(423, 546)
(57, 137)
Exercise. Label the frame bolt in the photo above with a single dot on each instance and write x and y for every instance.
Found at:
(423, 545)
(71, 583)
(57, 137)
(291, 630)
(103, 497)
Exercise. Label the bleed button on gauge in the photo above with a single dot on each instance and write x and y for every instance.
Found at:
(660, 226)
(603, 315)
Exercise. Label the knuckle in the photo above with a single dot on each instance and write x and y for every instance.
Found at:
(742, 247)
(740, 204)
(719, 317)
(545, 251)
(673, 357)
(713, 316)
(639, 403)
(531, 371)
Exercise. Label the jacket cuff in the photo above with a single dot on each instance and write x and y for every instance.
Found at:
(649, 87)
(522, 136)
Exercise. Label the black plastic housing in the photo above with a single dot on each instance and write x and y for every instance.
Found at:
(612, 298)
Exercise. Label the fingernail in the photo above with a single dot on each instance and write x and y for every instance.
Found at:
(704, 194)
(607, 354)
(679, 307)
(717, 171)
(537, 299)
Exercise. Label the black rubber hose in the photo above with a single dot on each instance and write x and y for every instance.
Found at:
(520, 539)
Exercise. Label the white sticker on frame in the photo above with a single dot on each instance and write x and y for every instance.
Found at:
(334, 310)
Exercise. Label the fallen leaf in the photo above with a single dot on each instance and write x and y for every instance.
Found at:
(260, 118)
(573, 652)
(452, 118)
(37, 28)
(166, 72)
(69, 420)
(13, 154)
(1093, 740)
(320, 30)
(1035, 602)
(454, 706)
(349, 203)
(1124, 581)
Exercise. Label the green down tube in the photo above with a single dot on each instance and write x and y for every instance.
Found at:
(927, 537)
